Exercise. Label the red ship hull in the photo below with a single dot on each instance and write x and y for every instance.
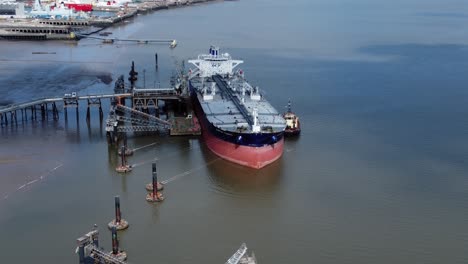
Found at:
(253, 157)
(80, 7)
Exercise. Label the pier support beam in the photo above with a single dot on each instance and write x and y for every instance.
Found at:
(155, 195)
(88, 115)
(101, 114)
(94, 102)
(128, 151)
(43, 112)
(81, 254)
(124, 167)
(13, 117)
(116, 252)
(118, 222)
(55, 111)
(156, 60)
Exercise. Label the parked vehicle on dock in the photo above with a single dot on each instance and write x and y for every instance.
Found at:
(70, 95)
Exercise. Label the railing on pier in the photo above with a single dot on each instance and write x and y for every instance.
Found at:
(15, 107)
(172, 42)
(144, 122)
(98, 254)
(227, 91)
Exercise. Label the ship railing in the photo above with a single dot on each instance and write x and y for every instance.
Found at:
(223, 87)
(220, 57)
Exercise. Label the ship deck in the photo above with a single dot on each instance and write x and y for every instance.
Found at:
(228, 111)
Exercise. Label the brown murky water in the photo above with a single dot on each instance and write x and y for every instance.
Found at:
(379, 174)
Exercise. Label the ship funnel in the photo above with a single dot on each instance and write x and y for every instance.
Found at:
(214, 51)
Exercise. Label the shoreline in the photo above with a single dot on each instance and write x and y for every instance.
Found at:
(76, 29)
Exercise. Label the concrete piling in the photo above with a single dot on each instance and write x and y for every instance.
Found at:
(116, 252)
(124, 167)
(149, 186)
(55, 111)
(128, 151)
(156, 60)
(95, 238)
(155, 186)
(115, 241)
(81, 254)
(88, 115)
(118, 215)
(119, 223)
(101, 114)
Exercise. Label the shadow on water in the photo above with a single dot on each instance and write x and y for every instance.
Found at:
(72, 133)
(95, 132)
(48, 80)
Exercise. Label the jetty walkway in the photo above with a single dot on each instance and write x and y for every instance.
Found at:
(121, 119)
(68, 100)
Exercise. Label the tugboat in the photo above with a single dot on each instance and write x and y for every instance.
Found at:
(293, 126)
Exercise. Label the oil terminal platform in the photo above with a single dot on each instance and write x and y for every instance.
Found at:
(166, 110)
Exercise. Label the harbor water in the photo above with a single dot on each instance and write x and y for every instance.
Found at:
(378, 175)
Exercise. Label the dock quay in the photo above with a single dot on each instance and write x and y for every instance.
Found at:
(153, 110)
(120, 16)
(35, 30)
(72, 29)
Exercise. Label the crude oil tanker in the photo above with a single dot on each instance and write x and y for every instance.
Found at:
(238, 123)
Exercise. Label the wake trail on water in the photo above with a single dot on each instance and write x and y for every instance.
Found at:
(188, 172)
(145, 146)
(38, 179)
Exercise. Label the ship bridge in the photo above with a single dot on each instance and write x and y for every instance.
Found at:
(213, 64)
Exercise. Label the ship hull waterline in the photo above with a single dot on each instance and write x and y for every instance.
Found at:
(249, 156)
